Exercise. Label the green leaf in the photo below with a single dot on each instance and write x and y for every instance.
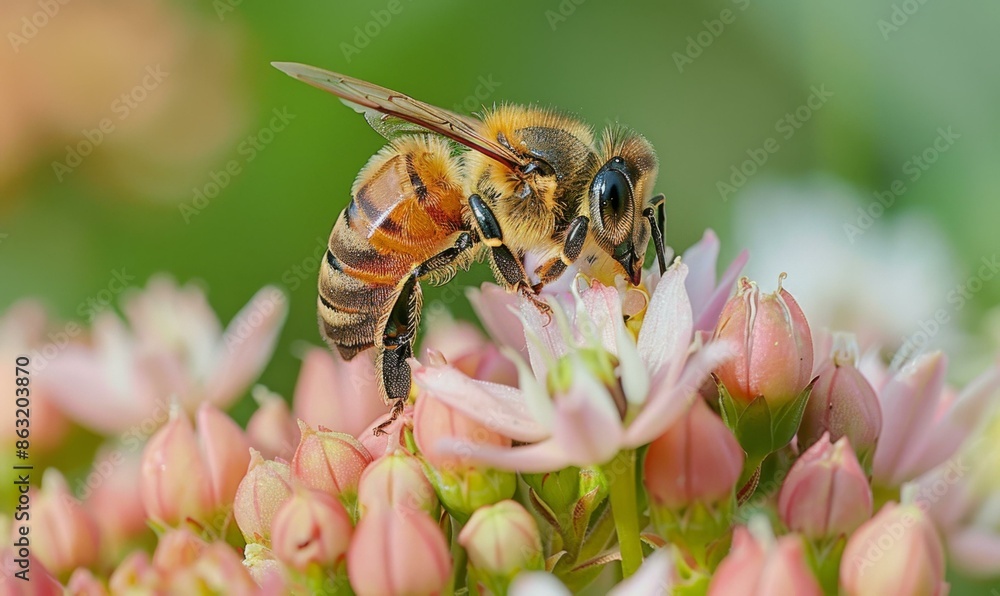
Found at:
(788, 418)
(754, 429)
(727, 407)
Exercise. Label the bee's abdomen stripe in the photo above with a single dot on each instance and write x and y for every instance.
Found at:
(350, 310)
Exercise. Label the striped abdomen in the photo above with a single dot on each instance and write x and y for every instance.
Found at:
(406, 207)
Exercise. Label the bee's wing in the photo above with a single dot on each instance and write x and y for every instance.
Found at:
(367, 97)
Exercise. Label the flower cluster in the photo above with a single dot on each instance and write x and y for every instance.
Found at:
(687, 438)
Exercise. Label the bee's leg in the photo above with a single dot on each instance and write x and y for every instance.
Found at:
(509, 269)
(447, 256)
(401, 329)
(655, 213)
(573, 241)
(397, 345)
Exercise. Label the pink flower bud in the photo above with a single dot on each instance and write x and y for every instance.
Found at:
(264, 568)
(219, 570)
(844, 404)
(398, 551)
(463, 346)
(392, 437)
(502, 540)
(134, 574)
(774, 348)
(310, 528)
(83, 583)
(896, 552)
(63, 534)
(433, 421)
(754, 567)
(329, 461)
(113, 495)
(826, 493)
(266, 486)
(462, 484)
(396, 480)
(226, 452)
(189, 476)
(697, 460)
(177, 548)
(272, 429)
(337, 394)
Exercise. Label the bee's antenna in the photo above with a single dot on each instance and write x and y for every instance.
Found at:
(656, 214)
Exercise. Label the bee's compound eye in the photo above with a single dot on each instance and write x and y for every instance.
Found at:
(611, 189)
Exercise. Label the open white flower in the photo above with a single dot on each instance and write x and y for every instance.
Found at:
(592, 389)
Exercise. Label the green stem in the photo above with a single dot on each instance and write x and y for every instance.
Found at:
(458, 558)
(621, 473)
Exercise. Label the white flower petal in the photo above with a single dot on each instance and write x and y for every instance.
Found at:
(537, 583)
(587, 425)
(546, 456)
(635, 379)
(669, 401)
(500, 407)
(652, 579)
(246, 346)
(667, 327)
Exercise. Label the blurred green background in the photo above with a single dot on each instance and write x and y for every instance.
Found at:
(702, 84)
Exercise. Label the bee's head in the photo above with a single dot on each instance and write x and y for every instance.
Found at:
(620, 190)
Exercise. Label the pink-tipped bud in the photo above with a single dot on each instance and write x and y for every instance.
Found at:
(382, 558)
(178, 548)
(219, 570)
(502, 540)
(226, 452)
(826, 492)
(396, 480)
(465, 347)
(896, 552)
(311, 528)
(393, 435)
(264, 489)
(189, 475)
(697, 460)
(135, 574)
(83, 583)
(63, 535)
(774, 348)
(842, 403)
(329, 461)
(759, 566)
(462, 484)
(433, 421)
(272, 429)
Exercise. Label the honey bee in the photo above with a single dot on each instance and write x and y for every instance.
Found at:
(517, 185)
